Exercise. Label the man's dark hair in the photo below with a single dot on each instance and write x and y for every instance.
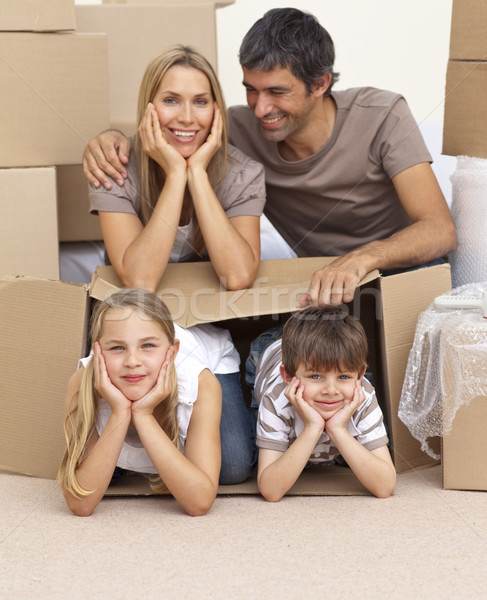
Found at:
(290, 38)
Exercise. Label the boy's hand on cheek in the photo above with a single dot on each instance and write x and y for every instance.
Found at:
(294, 393)
(340, 419)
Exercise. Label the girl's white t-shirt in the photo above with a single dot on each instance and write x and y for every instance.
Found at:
(201, 347)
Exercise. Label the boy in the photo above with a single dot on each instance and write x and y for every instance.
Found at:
(316, 404)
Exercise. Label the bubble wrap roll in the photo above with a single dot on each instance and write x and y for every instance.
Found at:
(447, 367)
(469, 211)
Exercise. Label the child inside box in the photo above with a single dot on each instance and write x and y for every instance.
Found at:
(314, 404)
(188, 195)
(145, 401)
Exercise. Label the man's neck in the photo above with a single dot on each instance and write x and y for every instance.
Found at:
(307, 142)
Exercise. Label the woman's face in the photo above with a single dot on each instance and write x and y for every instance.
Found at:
(185, 107)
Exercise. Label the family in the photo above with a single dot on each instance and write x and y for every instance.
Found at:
(337, 173)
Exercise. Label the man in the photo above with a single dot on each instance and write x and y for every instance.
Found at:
(347, 172)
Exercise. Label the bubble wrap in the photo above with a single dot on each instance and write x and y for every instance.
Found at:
(469, 211)
(447, 367)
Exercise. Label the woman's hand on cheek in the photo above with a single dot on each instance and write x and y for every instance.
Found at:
(202, 157)
(104, 385)
(155, 144)
(161, 390)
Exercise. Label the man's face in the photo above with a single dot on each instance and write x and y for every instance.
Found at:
(280, 101)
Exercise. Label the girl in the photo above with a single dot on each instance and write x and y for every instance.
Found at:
(187, 194)
(125, 407)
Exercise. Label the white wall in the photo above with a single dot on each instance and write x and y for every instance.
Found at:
(400, 45)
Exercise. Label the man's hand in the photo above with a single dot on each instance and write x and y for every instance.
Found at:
(335, 283)
(105, 155)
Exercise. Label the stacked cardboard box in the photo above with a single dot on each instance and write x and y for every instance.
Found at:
(465, 121)
(54, 98)
(134, 35)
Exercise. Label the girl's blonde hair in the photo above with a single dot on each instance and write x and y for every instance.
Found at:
(150, 174)
(80, 420)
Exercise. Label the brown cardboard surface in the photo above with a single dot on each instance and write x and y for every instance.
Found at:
(28, 223)
(42, 338)
(316, 481)
(193, 293)
(464, 449)
(75, 222)
(465, 120)
(135, 35)
(404, 297)
(468, 26)
(54, 96)
(217, 3)
(37, 15)
(55, 322)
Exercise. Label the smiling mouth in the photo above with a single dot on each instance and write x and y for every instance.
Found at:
(133, 378)
(183, 135)
(271, 121)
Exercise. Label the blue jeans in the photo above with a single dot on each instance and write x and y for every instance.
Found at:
(239, 452)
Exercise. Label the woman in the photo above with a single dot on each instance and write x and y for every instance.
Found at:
(188, 194)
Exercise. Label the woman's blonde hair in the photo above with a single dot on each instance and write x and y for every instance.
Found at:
(80, 419)
(150, 174)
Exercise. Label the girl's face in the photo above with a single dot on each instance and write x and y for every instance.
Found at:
(134, 347)
(184, 104)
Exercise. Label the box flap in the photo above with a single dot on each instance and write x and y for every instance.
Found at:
(322, 480)
(43, 325)
(193, 293)
(400, 317)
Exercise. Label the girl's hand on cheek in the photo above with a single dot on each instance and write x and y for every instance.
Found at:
(104, 385)
(155, 144)
(294, 393)
(202, 157)
(161, 390)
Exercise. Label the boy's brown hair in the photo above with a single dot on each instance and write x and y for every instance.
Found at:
(324, 339)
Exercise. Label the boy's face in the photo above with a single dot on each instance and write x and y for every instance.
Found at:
(326, 391)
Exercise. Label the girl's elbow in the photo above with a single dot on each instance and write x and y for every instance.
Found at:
(199, 509)
(81, 509)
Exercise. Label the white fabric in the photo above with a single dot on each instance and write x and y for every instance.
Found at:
(469, 211)
(78, 260)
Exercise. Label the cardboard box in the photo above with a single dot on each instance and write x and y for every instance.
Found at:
(135, 35)
(463, 370)
(465, 119)
(217, 3)
(28, 223)
(54, 96)
(468, 26)
(464, 449)
(76, 224)
(54, 313)
(37, 15)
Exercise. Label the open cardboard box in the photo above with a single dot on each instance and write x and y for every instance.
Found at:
(44, 333)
